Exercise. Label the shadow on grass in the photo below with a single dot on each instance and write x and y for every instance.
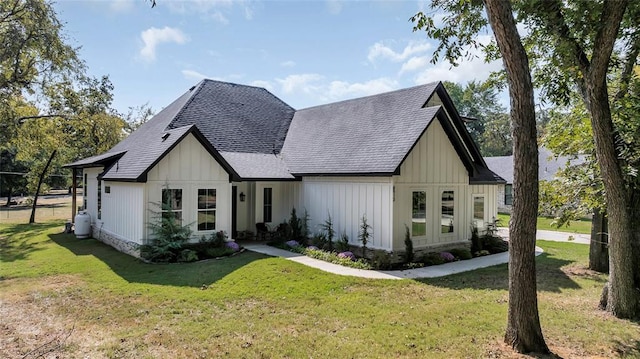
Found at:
(551, 277)
(631, 350)
(133, 270)
(16, 239)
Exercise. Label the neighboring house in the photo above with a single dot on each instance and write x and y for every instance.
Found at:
(548, 167)
(231, 155)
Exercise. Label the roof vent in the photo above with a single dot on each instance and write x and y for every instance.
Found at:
(165, 136)
(192, 87)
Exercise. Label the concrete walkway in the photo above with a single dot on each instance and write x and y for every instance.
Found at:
(551, 236)
(425, 272)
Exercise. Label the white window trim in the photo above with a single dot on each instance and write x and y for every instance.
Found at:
(426, 209)
(484, 210)
(215, 226)
(455, 212)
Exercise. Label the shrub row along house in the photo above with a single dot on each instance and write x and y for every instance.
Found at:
(228, 156)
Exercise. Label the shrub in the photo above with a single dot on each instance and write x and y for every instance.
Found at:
(476, 242)
(347, 254)
(295, 224)
(414, 265)
(432, 259)
(495, 244)
(447, 257)
(364, 234)
(215, 252)
(333, 258)
(342, 245)
(481, 253)
(461, 253)
(304, 226)
(233, 245)
(319, 240)
(187, 255)
(292, 243)
(330, 233)
(408, 245)
(381, 260)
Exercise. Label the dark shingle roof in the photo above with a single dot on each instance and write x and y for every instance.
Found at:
(548, 164)
(232, 118)
(366, 135)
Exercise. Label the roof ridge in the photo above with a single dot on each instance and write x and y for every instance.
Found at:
(198, 87)
(370, 96)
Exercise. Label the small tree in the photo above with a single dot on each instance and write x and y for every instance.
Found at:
(408, 245)
(304, 225)
(327, 226)
(295, 224)
(364, 234)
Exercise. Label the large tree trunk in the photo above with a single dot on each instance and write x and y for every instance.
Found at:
(599, 246)
(623, 297)
(32, 219)
(523, 332)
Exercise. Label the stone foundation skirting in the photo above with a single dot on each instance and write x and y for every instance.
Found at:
(124, 246)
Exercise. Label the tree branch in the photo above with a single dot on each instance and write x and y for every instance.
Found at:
(612, 13)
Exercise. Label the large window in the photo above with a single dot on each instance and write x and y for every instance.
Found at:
(446, 221)
(419, 214)
(172, 203)
(206, 209)
(478, 211)
(267, 209)
(508, 195)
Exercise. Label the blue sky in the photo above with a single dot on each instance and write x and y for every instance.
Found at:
(305, 52)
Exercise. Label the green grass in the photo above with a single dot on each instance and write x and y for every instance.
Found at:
(253, 306)
(582, 226)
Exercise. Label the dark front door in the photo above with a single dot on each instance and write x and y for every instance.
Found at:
(234, 211)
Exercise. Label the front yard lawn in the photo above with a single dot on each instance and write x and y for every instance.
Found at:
(582, 226)
(100, 303)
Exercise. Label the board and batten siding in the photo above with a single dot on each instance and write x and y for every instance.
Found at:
(91, 191)
(285, 196)
(123, 210)
(432, 166)
(189, 167)
(489, 192)
(347, 199)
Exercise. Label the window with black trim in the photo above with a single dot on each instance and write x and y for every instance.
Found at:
(447, 212)
(508, 195)
(107, 189)
(172, 203)
(206, 209)
(84, 192)
(419, 214)
(267, 208)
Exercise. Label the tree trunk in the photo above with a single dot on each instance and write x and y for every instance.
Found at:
(599, 246)
(523, 331)
(32, 219)
(9, 197)
(623, 298)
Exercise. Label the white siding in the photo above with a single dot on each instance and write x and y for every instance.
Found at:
(285, 196)
(123, 210)
(92, 191)
(347, 200)
(433, 160)
(490, 201)
(190, 167)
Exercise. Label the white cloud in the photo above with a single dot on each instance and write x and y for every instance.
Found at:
(414, 64)
(152, 37)
(217, 10)
(260, 83)
(334, 6)
(469, 68)
(194, 75)
(307, 83)
(380, 50)
(340, 90)
(288, 63)
(121, 5)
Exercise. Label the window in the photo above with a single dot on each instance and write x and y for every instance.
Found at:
(172, 203)
(446, 221)
(508, 195)
(267, 205)
(107, 189)
(206, 209)
(478, 211)
(419, 214)
(99, 199)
